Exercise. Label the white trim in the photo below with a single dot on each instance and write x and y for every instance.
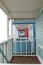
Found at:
(7, 27)
(23, 38)
(3, 7)
(26, 47)
(40, 59)
(23, 52)
(20, 46)
(40, 46)
(1, 42)
(11, 28)
(36, 48)
(38, 12)
(23, 55)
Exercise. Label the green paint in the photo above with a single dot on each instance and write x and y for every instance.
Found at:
(40, 52)
(6, 49)
(3, 55)
(39, 32)
(3, 52)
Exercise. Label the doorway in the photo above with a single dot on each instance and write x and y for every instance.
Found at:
(24, 42)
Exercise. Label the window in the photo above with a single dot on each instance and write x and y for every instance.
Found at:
(21, 33)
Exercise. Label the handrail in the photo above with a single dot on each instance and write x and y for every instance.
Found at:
(23, 38)
(26, 39)
(4, 56)
(40, 46)
(5, 41)
(3, 45)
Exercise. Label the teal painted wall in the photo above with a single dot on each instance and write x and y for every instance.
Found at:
(40, 52)
(39, 32)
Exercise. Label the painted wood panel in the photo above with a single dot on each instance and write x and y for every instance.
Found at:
(39, 32)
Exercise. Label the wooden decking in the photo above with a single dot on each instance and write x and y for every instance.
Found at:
(25, 60)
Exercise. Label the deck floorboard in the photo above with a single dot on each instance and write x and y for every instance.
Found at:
(25, 60)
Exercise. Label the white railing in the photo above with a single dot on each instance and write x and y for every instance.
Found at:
(40, 46)
(26, 41)
(40, 53)
(6, 51)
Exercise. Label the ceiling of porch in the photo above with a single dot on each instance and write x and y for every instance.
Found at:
(23, 8)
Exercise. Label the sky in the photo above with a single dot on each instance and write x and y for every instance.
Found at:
(3, 26)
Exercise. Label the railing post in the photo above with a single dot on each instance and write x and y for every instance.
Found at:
(0, 55)
(3, 52)
(6, 49)
(26, 46)
(12, 48)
